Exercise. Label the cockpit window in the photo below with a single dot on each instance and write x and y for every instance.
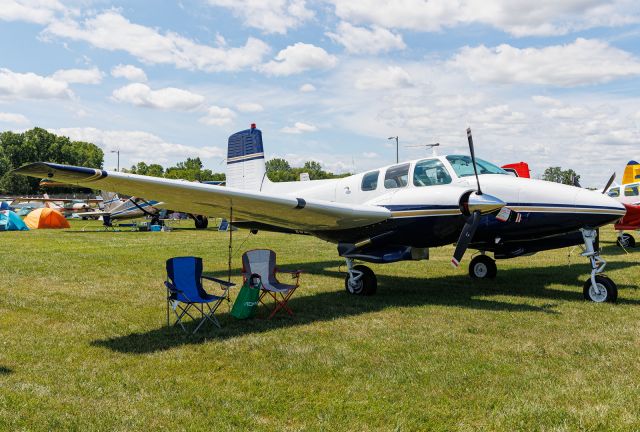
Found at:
(430, 172)
(631, 190)
(463, 167)
(370, 181)
(614, 192)
(396, 176)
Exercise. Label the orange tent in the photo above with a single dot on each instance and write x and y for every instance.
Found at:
(46, 218)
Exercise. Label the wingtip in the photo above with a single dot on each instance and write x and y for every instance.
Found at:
(60, 172)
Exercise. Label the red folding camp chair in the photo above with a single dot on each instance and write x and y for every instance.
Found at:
(263, 263)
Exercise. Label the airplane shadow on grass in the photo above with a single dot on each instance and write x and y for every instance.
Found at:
(393, 292)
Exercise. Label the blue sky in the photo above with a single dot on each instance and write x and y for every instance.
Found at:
(551, 83)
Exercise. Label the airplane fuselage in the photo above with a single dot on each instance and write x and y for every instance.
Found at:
(425, 207)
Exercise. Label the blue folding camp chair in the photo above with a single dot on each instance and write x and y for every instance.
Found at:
(184, 291)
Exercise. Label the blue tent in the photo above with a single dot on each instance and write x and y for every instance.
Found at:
(4, 205)
(9, 221)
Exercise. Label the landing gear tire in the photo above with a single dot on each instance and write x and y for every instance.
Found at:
(364, 284)
(626, 241)
(607, 291)
(483, 267)
(201, 222)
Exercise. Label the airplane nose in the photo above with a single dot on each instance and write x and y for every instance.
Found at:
(597, 209)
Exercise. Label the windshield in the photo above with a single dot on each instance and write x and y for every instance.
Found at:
(463, 167)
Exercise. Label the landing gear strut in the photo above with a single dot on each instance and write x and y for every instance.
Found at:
(360, 279)
(597, 288)
(483, 267)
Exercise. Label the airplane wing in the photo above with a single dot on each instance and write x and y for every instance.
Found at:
(197, 198)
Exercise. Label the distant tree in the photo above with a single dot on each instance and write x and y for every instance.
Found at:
(277, 164)
(558, 175)
(37, 145)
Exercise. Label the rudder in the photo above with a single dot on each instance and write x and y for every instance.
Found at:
(246, 167)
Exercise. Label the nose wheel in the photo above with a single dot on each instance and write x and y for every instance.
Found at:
(483, 267)
(360, 279)
(598, 288)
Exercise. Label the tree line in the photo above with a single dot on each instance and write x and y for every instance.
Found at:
(35, 145)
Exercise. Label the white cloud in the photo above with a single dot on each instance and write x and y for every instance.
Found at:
(582, 62)
(79, 76)
(111, 31)
(138, 145)
(391, 77)
(18, 119)
(36, 11)
(307, 88)
(15, 85)
(129, 72)
(165, 98)
(299, 128)
(273, 16)
(250, 107)
(298, 58)
(359, 40)
(517, 17)
(370, 155)
(218, 116)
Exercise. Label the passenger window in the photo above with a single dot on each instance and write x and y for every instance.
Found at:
(370, 181)
(396, 176)
(429, 173)
(614, 192)
(631, 190)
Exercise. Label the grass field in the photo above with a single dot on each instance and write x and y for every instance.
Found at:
(83, 344)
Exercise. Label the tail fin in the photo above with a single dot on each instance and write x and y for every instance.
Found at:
(631, 172)
(109, 200)
(246, 168)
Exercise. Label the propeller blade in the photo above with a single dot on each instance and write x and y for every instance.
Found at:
(468, 231)
(609, 183)
(473, 158)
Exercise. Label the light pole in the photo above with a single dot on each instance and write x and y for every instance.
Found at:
(118, 152)
(395, 138)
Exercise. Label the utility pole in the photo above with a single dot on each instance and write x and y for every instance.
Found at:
(397, 156)
(118, 152)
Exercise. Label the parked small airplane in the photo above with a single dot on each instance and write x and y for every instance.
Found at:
(629, 194)
(63, 205)
(116, 208)
(389, 214)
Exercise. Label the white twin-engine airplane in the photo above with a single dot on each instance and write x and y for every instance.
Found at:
(389, 214)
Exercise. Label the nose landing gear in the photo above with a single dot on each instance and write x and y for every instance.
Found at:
(597, 288)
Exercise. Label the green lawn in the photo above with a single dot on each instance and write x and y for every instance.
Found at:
(83, 344)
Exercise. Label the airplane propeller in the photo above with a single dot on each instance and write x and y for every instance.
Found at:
(473, 204)
(473, 158)
(468, 231)
(609, 183)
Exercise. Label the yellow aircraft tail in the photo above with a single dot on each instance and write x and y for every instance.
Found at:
(631, 173)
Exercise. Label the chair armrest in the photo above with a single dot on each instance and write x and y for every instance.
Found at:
(220, 281)
(294, 273)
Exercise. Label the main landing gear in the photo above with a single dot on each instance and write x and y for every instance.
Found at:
(597, 288)
(360, 279)
(483, 267)
(625, 240)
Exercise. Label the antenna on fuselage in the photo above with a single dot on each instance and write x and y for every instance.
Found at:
(426, 146)
(473, 158)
